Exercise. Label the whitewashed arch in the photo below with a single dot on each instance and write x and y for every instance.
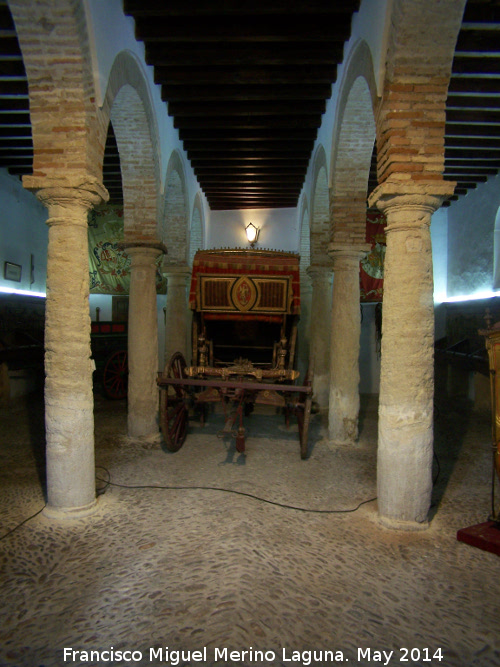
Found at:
(320, 214)
(175, 219)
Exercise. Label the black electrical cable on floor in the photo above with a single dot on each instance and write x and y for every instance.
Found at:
(22, 523)
(108, 482)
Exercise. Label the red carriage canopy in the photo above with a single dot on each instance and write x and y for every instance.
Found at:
(236, 283)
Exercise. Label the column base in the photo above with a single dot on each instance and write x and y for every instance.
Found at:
(398, 524)
(63, 513)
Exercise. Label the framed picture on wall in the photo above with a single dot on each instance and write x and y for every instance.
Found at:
(12, 271)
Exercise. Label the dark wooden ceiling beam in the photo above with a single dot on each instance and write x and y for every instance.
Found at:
(10, 132)
(238, 171)
(248, 108)
(245, 136)
(481, 12)
(269, 162)
(467, 64)
(479, 41)
(15, 88)
(473, 142)
(8, 104)
(234, 188)
(474, 116)
(469, 101)
(247, 156)
(479, 85)
(247, 124)
(6, 143)
(473, 153)
(9, 46)
(452, 162)
(22, 119)
(251, 148)
(12, 67)
(222, 54)
(273, 182)
(249, 28)
(476, 172)
(472, 130)
(247, 93)
(269, 75)
(218, 7)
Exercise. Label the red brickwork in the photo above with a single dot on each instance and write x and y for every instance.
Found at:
(67, 135)
(320, 213)
(175, 219)
(411, 118)
(352, 151)
(127, 104)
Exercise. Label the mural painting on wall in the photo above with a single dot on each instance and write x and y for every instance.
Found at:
(372, 266)
(109, 267)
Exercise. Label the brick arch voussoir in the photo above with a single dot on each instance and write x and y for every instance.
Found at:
(175, 228)
(352, 148)
(196, 230)
(411, 118)
(128, 106)
(320, 213)
(64, 115)
(305, 237)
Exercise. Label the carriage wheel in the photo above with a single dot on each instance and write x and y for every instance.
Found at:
(115, 375)
(304, 415)
(173, 408)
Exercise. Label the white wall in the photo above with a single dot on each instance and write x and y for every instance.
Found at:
(23, 233)
(279, 228)
(471, 223)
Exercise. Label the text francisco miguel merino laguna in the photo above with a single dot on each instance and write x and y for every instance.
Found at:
(178, 657)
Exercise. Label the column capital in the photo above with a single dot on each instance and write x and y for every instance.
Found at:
(176, 270)
(69, 191)
(318, 272)
(136, 248)
(341, 253)
(398, 198)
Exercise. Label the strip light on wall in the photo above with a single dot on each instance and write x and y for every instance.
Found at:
(486, 294)
(22, 292)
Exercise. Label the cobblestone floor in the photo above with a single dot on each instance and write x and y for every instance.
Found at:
(201, 570)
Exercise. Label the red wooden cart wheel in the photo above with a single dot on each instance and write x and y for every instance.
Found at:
(115, 375)
(173, 407)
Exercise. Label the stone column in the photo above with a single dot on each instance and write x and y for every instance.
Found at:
(344, 346)
(69, 406)
(405, 436)
(176, 314)
(143, 340)
(321, 306)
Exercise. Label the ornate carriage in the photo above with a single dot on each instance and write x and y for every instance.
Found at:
(246, 306)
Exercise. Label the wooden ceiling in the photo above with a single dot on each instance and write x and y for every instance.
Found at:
(247, 84)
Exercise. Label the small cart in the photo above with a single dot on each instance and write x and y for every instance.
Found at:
(246, 306)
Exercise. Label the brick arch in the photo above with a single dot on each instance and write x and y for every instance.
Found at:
(320, 214)
(411, 117)
(352, 148)
(128, 105)
(196, 232)
(175, 228)
(305, 238)
(64, 119)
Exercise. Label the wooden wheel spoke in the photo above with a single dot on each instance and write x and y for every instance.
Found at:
(173, 408)
(115, 375)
